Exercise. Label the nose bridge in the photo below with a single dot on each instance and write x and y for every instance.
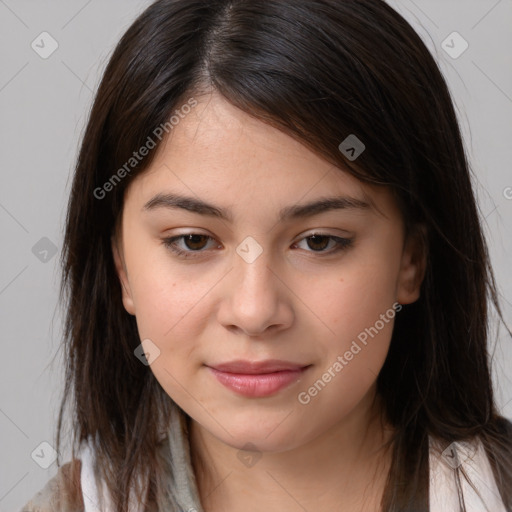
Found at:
(255, 299)
(253, 267)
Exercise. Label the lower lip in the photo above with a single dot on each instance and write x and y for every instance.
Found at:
(260, 385)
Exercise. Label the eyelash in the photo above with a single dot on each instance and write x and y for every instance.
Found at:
(170, 243)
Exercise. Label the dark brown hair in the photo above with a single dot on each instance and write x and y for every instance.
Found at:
(319, 70)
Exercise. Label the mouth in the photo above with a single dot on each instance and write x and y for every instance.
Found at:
(257, 379)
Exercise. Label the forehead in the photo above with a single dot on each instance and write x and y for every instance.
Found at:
(221, 154)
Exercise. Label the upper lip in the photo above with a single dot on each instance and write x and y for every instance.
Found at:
(256, 367)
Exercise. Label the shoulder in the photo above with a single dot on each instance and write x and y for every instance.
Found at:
(468, 461)
(60, 494)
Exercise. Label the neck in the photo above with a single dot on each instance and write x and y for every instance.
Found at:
(344, 468)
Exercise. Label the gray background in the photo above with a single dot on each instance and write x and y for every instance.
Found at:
(44, 104)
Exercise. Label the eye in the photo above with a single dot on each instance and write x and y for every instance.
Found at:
(194, 242)
(320, 241)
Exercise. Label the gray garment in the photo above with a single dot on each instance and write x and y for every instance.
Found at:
(183, 486)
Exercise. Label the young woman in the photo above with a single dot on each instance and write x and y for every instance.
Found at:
(275, 275)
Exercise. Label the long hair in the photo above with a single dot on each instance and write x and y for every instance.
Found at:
(319, 70)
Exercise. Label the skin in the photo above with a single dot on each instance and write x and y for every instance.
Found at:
(297, 301)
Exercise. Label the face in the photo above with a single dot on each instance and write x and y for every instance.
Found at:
(239, 243)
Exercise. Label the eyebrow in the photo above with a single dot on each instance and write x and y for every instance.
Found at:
(324, 204)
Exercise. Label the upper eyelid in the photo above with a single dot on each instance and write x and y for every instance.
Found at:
(309, 232)
(315, 232)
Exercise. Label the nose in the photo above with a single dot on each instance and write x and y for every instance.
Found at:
(256, 300)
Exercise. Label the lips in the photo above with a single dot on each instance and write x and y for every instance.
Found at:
(257, 379)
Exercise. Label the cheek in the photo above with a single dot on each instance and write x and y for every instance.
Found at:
(356, 303)
(353, 297)
(357, 306)
(161, 296)
(170, 312)
(168, 305)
